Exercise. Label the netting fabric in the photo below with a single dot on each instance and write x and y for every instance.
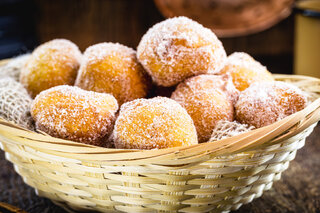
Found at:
(15, 103)
(13, 68)
(226, 129)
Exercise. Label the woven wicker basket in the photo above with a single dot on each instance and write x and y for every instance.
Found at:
(209, 177)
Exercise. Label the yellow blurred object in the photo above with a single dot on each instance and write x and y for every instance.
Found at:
(307, 38)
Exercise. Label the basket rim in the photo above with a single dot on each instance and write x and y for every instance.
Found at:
(275, 133)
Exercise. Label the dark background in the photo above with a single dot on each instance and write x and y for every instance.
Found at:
(26, 23)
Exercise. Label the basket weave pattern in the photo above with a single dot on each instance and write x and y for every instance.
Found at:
(209, 177)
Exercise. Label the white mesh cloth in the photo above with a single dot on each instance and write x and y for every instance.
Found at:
(226, 129)
(13, 68)
(15, 103)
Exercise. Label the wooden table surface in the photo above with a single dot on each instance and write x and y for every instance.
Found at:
(297, 191)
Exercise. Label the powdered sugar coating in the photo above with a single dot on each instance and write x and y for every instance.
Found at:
(15, 103)
(113, 68)
(72, 113)
(53, 63)
(244, 70)
(13, 67)
(264, 103)
(153, 124)
(206, 99)
(178, 48)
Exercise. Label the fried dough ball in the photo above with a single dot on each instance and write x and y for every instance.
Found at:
(113, 68)
(153, 123)
(178, 48)
(264, 103)
(244, 70)
(69, 112)
(51, 64)
(206, 99)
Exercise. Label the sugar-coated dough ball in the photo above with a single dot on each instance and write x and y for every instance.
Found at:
(178, 48)
(51, 64)
(244, 70)
(72, 113)
(153, 123)
(264, 103)
(113, 68)
(206, 100)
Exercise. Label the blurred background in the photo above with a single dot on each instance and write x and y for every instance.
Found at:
(26, 23)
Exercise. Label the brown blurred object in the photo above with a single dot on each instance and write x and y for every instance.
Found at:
(7, 208)
(229, 18)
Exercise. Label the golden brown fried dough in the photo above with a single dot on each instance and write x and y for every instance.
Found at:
(267, 102)
(51, 64)
(178, 48)
(244, 70)
(206, 99)
(72, 113)
(113, 68)
(153, 123)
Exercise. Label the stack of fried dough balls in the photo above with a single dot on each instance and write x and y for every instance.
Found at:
(51, 64)
(113, 68)
(185, 61)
